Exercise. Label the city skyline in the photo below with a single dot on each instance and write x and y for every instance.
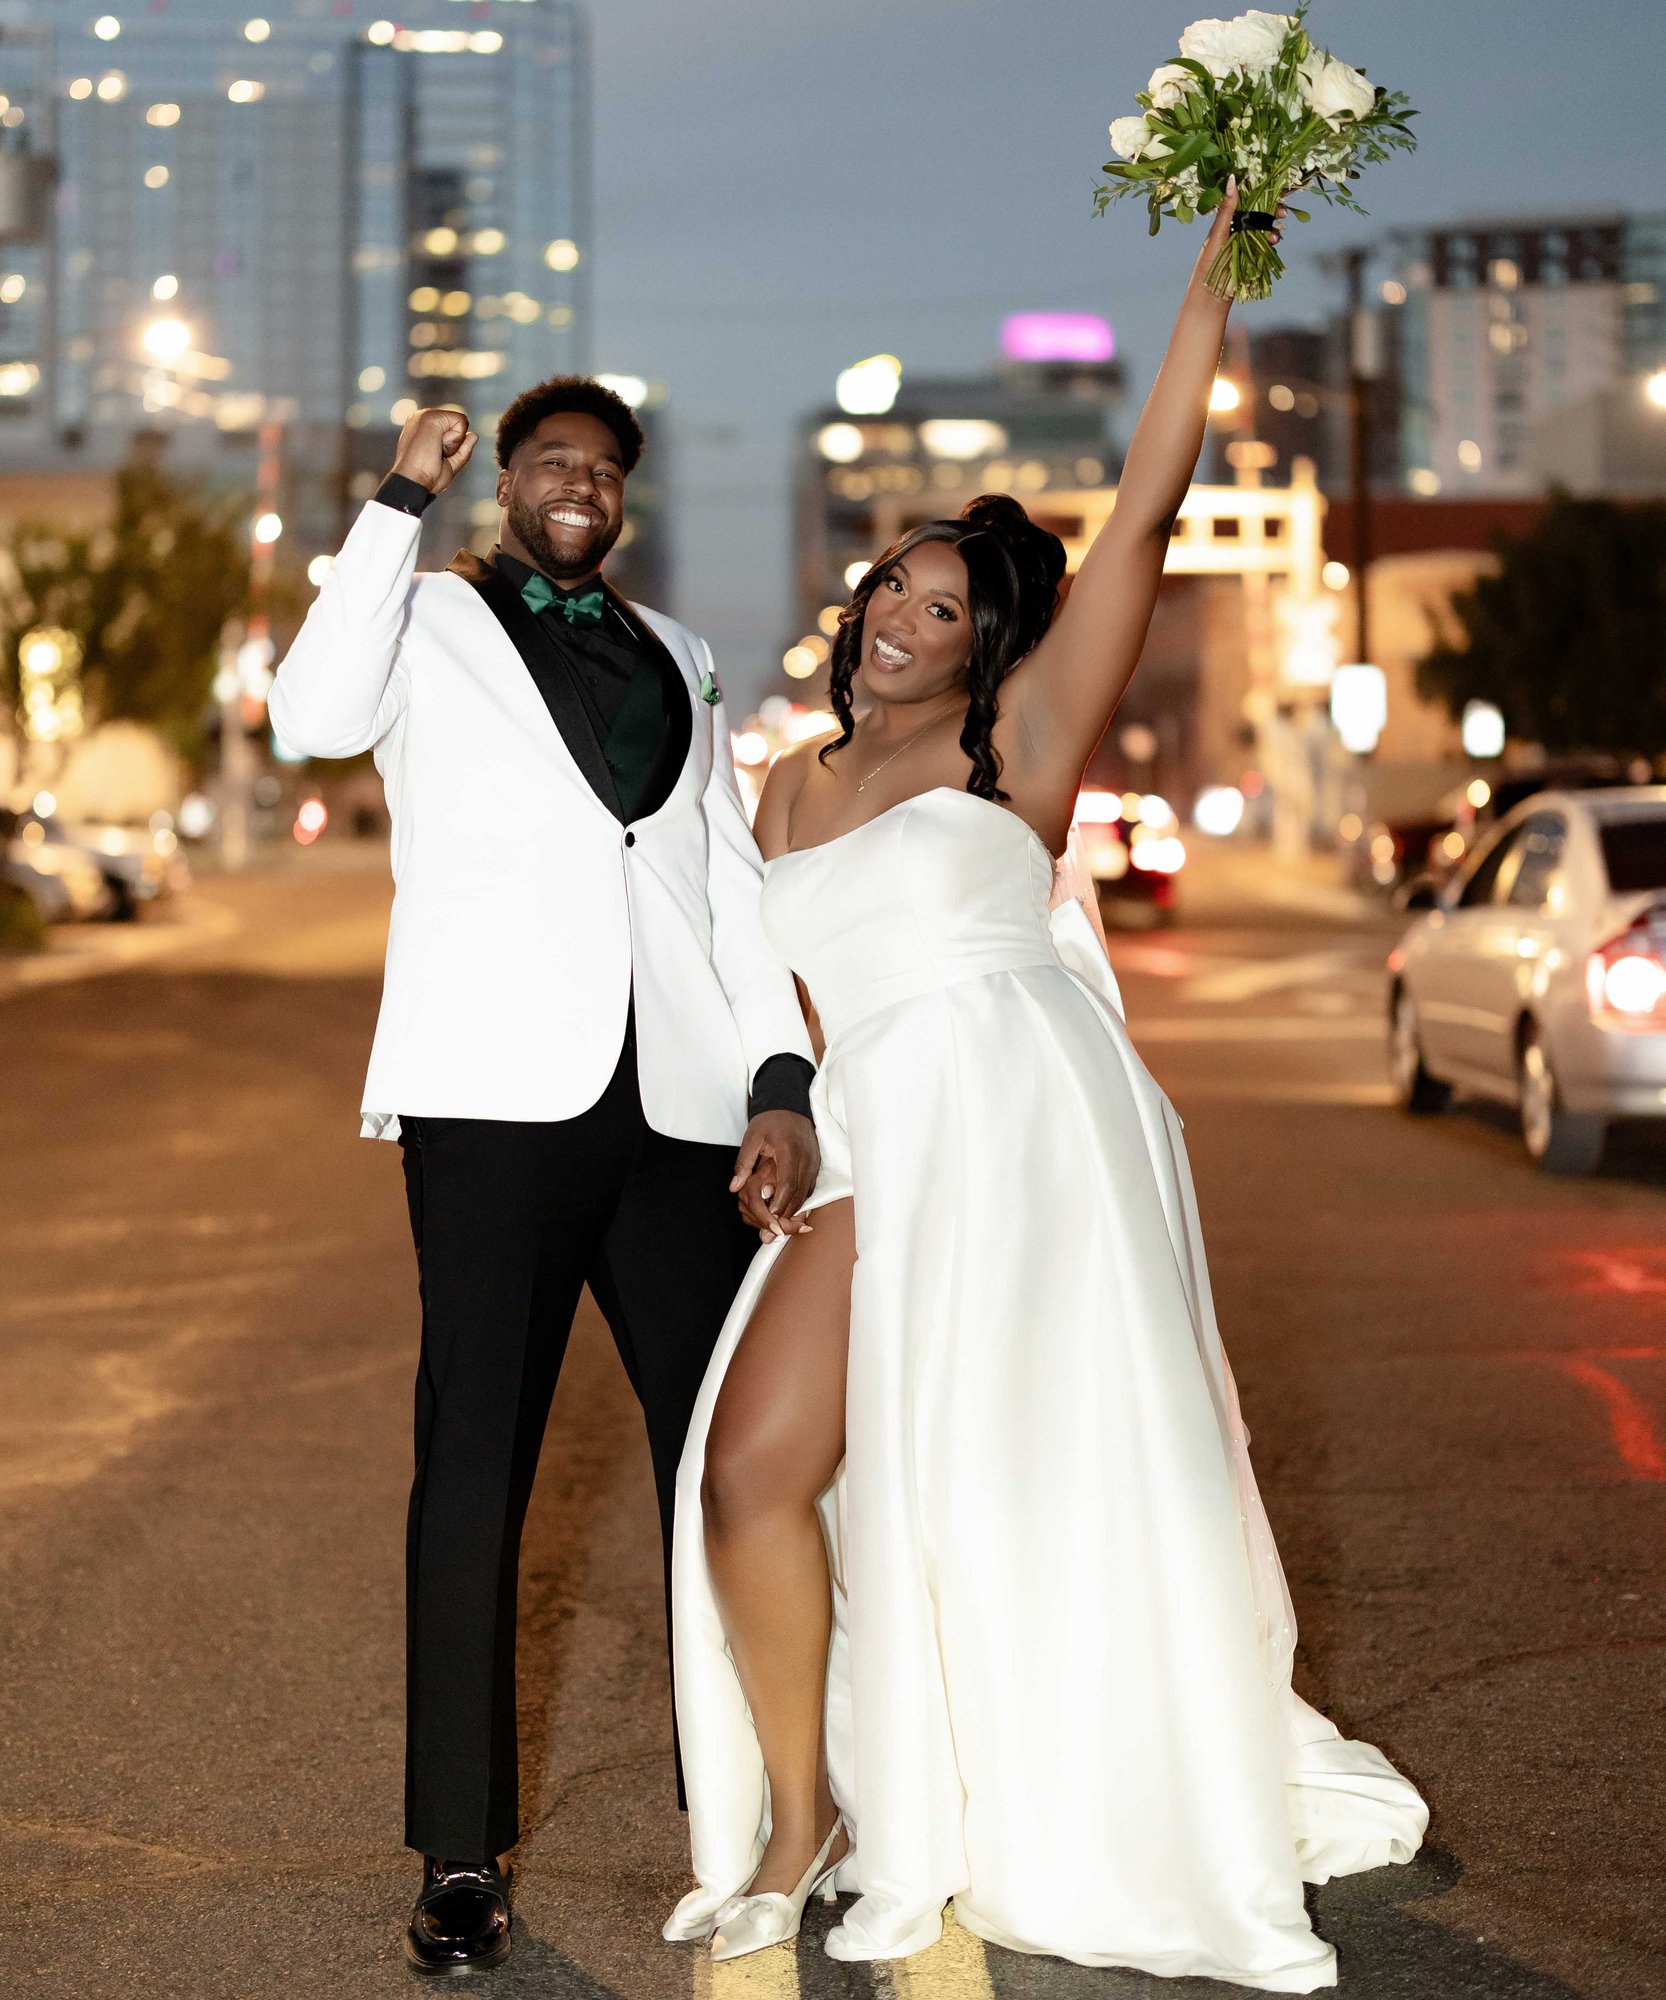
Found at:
(311, 217)
(780, 194)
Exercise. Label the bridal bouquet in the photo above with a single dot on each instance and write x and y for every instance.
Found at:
(1255, 97)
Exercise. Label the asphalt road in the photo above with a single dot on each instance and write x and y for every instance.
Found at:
(1454, 1370)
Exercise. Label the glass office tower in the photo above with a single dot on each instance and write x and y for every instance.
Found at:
(269, 230)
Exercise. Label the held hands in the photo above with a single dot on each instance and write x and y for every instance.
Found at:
(775, 1171)
(434, 447)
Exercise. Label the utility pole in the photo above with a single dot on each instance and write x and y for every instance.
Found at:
(1364, 366)
(236, 752)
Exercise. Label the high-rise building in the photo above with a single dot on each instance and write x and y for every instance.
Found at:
(1507, 322)
(1042, 423)
(270, 229)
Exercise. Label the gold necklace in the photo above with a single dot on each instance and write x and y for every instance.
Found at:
(901, 747)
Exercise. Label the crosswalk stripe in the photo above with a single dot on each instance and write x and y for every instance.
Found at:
(1244, 982)
(762, 1975)
(1257, 1028)
(957, 1966)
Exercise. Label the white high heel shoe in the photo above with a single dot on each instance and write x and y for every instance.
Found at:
(748, 1923)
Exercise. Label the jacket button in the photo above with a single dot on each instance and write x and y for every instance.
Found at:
(630, 839)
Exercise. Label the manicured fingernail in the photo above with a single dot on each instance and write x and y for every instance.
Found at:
(766, 1192)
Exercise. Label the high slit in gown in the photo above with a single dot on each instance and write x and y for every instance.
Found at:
(1059, 1685)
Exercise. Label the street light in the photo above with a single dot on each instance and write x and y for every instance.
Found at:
(869, 388)
(1482, 729)
(268, 527)
(166, 339)
(1224, 395)
(1359, 706)
(1654, 388)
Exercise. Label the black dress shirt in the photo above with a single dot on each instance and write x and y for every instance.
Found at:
(618, 680)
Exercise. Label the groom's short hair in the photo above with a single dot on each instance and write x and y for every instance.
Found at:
(582, 394)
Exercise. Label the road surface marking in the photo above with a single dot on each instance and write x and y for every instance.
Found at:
(1630, 1422)
(1167, 961)
(1622, 1271)
(956, 1965)
(1257, 1028)
(762, 1975)
(1245, 982)
(1253, 1092)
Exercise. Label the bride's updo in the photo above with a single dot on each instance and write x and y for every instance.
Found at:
(1013, 570)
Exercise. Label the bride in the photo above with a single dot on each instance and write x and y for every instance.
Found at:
(974, 1596)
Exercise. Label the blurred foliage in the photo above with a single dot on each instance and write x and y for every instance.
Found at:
(21, 928)
(147, 596)
(1569, 638)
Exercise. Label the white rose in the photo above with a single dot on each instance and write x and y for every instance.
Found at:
(1249, 43)
(1333, 89)
(1168, 85)
(1131, 137)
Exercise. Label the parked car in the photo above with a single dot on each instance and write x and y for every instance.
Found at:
(62, 880)
(1478, 806)
(1537, 974)
(1385, 854)
(141, 864)
(1132, 845)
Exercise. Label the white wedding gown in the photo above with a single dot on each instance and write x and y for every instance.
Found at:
(1059, 1689)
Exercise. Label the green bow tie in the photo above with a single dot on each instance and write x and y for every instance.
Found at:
(538, 594)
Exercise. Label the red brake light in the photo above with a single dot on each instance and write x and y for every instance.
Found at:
(1161, 855)
(1625, 982)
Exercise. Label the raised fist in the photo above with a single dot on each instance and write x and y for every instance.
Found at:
(434, 447)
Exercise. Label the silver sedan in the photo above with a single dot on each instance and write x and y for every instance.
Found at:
(1537, 974)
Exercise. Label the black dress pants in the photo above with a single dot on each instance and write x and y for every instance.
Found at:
(511, 1220)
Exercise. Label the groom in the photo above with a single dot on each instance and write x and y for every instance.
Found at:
(578, 1000)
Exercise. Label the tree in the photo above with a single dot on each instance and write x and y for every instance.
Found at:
(1568, 639)
(146, 596)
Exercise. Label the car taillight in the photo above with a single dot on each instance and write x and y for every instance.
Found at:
(1163, 854)
(1625, 982)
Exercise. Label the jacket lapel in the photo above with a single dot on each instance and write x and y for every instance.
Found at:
(548, 670)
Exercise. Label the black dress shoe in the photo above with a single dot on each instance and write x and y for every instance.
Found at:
(461, 1920)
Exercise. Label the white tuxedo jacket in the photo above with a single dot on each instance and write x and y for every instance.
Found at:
(524, 911)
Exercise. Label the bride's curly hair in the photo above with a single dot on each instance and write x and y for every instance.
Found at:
(1013, 570)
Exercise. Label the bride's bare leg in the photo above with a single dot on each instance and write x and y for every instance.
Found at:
(777, 1437)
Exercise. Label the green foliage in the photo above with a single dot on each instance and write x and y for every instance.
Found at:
(147, 597)
(21, 928)
(1569, 638)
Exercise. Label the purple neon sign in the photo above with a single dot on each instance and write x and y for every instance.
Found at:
(1057, 336)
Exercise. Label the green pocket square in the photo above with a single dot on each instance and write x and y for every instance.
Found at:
(710, 692)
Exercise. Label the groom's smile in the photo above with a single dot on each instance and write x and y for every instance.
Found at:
(563, 496)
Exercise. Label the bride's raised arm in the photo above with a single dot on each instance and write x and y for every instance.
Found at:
(1057, 702)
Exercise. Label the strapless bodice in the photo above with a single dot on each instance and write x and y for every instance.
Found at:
(943, 887)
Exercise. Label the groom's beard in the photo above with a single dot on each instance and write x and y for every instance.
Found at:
(564, 562)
